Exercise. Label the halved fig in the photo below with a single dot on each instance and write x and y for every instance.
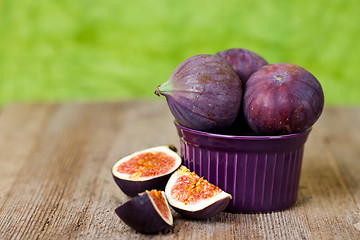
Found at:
(193, 196)
(149, 212)
(146, 169)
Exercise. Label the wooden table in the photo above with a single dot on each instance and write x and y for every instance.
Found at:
(56, 183)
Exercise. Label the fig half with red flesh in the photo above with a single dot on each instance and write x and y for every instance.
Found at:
(194, 197)
(146, 169)
(149, 212)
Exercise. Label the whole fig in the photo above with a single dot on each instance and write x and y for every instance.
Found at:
(243, 61)
(203, 93)
(282, 98)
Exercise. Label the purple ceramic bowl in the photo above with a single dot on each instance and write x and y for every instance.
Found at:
(260, 172)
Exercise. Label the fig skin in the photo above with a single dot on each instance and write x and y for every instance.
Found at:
(207, 212)
(282, 98)
(139, 213)
(243, 61)
(132, 187)
(203, 93)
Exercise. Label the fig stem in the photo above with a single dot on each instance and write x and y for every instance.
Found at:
(157, 91)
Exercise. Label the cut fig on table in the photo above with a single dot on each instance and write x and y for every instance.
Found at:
(146, 169)
(149, 212)
(193, 196)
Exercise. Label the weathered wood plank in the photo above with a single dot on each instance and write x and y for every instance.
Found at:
(340, 130)
(17, 133)
(324, 199)
(56, 183)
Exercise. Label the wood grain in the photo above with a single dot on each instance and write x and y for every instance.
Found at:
(55, 179)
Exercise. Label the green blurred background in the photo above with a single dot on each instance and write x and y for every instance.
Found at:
(83, 50)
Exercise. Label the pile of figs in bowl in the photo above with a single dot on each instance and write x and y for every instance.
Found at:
(242, 124)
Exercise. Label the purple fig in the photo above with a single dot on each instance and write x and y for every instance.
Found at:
(243, 61)
(282, 98)
(149, 212)
(194, 197)
(203, 93)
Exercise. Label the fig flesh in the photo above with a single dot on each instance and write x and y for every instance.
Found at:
(149, 212)
(146, 169)
(243, 61)
(203, 93)
(282, 98)
(193, 196)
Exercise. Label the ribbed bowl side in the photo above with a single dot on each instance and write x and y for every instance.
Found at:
(258, 182)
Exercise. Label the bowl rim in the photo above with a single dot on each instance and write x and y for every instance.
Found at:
(238, 137)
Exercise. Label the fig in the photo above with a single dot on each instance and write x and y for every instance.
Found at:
(146, 169)
(149, 212)
(194, 197)
(203, 93)
(282, 98)
(243, 61)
